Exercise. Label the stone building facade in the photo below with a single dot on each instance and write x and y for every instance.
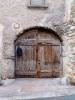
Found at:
(19, 15)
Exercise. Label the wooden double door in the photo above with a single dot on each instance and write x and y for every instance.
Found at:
(41, 60)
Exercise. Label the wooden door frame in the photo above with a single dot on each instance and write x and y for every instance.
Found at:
(44, 30)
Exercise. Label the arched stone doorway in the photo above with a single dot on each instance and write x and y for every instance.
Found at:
(40, 53)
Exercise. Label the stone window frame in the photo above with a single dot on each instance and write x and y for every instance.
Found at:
(43, 5)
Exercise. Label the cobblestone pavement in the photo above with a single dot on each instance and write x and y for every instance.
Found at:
(23, 89)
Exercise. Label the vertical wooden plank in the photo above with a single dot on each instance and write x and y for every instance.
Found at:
(46, 57)
(56, 60)
(45, 64)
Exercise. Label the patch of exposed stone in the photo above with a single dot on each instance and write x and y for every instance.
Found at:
(69, 40)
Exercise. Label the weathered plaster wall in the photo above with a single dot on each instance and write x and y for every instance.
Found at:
(1, 47)
(16, 16)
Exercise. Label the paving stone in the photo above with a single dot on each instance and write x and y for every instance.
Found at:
(35, 88)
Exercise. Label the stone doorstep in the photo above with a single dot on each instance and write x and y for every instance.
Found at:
(7, 82)
(61, 81)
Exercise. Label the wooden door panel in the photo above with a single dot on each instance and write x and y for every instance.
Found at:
(45, 61)
(56, 60)
(26, 64)
(49, 60)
